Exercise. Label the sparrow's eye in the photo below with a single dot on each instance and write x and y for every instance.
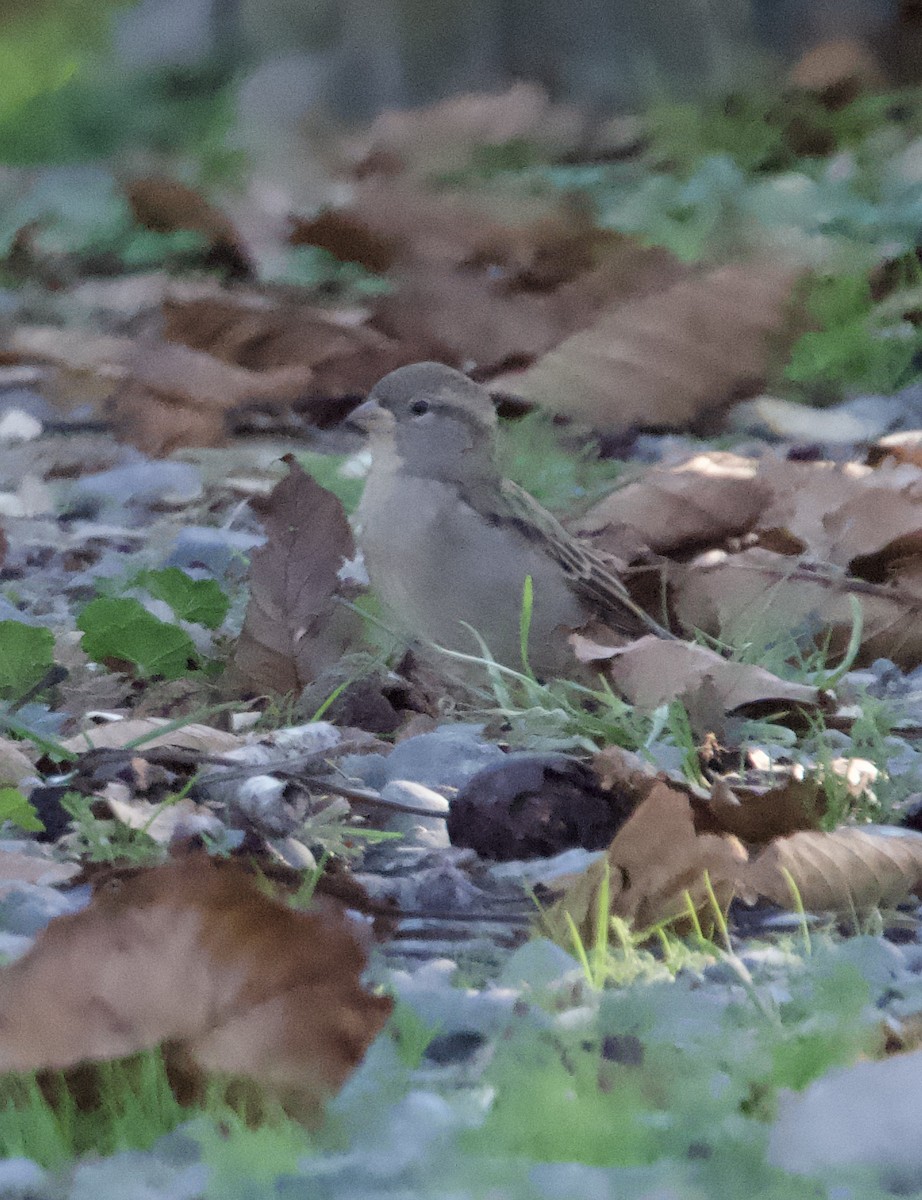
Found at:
(418, 407)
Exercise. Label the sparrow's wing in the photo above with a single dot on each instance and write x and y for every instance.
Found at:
(589, 572)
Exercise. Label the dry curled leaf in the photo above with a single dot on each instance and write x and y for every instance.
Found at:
(837, 71)
(846, 870)
(670, 357)
(624, 772)
(651, 672)
(444, 136)
(337, 354)
(194, 953)
(173, 396)
(757, 593)
(758, 813)
(116, 735)
(16, 869)
(165, 205)
(702, 501)
(294, 627)
(656, 861)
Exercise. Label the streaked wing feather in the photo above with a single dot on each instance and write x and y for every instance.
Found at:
(589, 572)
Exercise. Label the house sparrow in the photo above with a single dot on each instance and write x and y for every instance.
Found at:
(448, 541)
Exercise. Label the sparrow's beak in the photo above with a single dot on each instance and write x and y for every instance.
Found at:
(367, 416)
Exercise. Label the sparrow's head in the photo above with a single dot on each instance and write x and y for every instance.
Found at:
(440, 422)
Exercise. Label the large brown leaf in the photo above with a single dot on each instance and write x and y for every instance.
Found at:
(839, 513)
(194, 953)
(760, 596)
(848, 869)
(338, 354)
(655, 862)
(166, 206)
(444, 136)
(758, 812)
(174, 396)
(294, 626)
(701, 501)
(488, 279)
(671, 357)
(652, 671)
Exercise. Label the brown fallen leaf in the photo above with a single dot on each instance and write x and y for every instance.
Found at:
(194, 953)
(843, 871)
(624, 772)
(116, 735)
(655, 862)
(670, 357)
(14, 765)
(484, 278)
(759, 813)
(763, 596)
(651, 672)
(339, 355)
(344, 235)
(837, 71)
(294, 627)
(488, 308)
(444, 136)
(173, 396)
(16, 869)
(702, 501)
(839, 513)
(165, 205)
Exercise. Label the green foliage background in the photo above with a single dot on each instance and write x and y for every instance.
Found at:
(43, 44)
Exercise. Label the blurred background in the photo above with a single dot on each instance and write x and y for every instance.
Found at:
(91, 77)
(468, 180)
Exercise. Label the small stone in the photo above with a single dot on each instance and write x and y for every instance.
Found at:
(18, 426)
(223, 553)
(20, 1176)
(458, 1047)
(624, 1048)
(144, 483)
(28, 907)
(13, 946)
(427, 831)
(538, 965)
(447, 757)
(721, 972)
(766, 958)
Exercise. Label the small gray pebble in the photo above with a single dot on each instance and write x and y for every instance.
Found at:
(447, 757)
(28, 907)
(26, 401)
(13, 946)
(9, 612)
(425, 831)
(458, 1047)
(223, 553)
(539, 964)
(141, 482)
(721, 972)
(133, 1175)
(19, 1176)
(766, 958)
